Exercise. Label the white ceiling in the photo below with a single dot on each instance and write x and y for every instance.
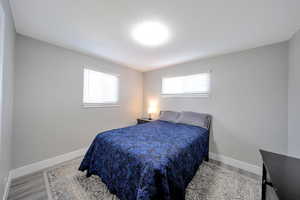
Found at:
(199, 28)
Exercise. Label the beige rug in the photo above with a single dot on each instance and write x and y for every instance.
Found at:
(211, 182)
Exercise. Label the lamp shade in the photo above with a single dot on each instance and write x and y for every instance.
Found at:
(151, 110)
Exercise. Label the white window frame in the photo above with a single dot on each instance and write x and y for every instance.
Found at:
(188, 95)
(100, 105)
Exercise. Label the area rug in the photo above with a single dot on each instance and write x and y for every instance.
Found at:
(212, 182)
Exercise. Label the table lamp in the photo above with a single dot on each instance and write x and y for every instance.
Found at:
(151, 110)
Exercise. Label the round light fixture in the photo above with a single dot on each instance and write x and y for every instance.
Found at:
(150, 33)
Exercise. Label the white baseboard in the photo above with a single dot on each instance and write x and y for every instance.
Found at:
(236, 163)
(7, 186)
(38, 166)
(34, 167)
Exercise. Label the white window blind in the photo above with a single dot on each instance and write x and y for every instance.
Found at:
(194, 85)
(100, 88)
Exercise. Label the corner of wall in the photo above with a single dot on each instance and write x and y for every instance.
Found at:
(7, 98)
(293, 95)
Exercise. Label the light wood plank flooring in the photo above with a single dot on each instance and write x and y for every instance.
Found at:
(31, 187)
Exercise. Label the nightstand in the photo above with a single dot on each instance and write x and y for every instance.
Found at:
(143, 120)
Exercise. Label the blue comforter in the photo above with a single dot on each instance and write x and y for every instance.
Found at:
(152, 161)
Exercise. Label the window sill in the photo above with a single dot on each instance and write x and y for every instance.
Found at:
(100, 105)
(185, 95)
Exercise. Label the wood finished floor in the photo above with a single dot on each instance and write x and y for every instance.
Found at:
(32, 187)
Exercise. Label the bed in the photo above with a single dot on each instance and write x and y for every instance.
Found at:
(152, 161)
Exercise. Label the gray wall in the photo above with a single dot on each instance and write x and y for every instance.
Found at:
(248, 100)
(294, 96)
(48, 117)
(7, 105)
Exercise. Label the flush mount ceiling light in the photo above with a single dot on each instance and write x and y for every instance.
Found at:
(150, 33)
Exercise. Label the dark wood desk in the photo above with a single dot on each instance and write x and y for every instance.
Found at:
(284, 175)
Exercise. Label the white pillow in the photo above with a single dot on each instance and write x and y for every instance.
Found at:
(169, 116)
(195, 119)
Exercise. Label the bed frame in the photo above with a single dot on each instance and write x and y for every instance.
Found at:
(206, 158)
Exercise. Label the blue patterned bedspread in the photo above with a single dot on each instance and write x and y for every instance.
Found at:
(152, 161)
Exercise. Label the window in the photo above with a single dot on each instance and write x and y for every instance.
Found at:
(192, 85)
(99, 88)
